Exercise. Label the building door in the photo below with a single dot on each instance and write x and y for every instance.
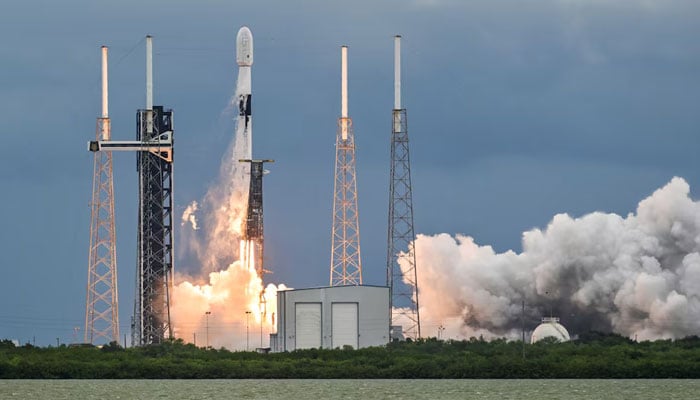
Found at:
(308, 325)
(344, 325)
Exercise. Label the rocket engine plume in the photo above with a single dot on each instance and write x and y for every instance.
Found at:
(638, 276)
(218, 300)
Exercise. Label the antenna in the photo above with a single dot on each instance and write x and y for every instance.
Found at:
(397, 72)
(105, 88)
(344, 82)
(149, 84)
(344, 91)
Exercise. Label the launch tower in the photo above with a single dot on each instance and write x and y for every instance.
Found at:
(346, 266)
(403, 284)
(155, 228)
(253, 237)
(102, 307)
(154, 268)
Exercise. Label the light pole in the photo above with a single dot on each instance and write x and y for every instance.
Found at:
(522, 323)
(207, 314)
(76, 330)
(247, 330)
(261, 322)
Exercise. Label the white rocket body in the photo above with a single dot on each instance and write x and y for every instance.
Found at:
(244, 59)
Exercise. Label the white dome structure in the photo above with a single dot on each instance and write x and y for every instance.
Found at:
(550, 327)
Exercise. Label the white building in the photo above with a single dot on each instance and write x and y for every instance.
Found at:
(331, 317)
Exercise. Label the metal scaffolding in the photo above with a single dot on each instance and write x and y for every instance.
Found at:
(102, 306)
(346, 266)
(253, 232)
(402, 282)
(155, 230)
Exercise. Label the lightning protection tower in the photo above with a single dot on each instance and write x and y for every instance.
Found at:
(403, 284)
(346, 266)
(102, 307)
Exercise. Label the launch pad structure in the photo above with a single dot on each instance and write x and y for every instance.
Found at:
(403, 283)
(102, 300)
(253, 232)
(154, 276)
(346, 263)
(154, 145)
(154, 270)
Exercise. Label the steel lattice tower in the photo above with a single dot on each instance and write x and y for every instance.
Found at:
(403, 284)
(154, 269)
(346, 265)
(102, 307)
(155, 231)
(253, 232)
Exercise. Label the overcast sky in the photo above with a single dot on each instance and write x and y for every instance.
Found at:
(517, 110)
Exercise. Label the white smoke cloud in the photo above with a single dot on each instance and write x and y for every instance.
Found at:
(223, 208)
(217, 299)
(228, 295)
(637, 275)
(189, 215)
(225, 204)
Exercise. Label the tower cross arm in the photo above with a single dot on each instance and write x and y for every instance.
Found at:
(160, 145)
(256, 161)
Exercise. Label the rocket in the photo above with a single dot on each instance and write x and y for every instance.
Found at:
(244, 59)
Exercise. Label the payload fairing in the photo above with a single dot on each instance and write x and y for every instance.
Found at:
(244, 58)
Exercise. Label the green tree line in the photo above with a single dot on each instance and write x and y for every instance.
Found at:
(592, 355)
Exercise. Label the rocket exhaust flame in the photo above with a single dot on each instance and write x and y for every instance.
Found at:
(636, 275)
(223, 280)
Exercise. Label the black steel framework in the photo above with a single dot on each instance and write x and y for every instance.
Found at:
(403, 284)
(154, 270)
(253, 232)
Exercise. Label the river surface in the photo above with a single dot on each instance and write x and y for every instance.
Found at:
(314, 389)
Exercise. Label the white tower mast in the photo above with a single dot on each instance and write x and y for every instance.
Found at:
(102, 308)
(346, 265)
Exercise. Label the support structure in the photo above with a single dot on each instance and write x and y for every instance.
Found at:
(102, 306)
(253, 231)
(346, 265)
(154, 270)
(155, 229)
(402, 282)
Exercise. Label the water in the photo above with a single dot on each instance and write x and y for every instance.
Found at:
(314, 389)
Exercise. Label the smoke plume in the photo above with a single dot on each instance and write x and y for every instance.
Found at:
(217, 300)
(189, 215)
(215, 244)
(638, 276)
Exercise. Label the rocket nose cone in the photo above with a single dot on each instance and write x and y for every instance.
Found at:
(244, 47)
